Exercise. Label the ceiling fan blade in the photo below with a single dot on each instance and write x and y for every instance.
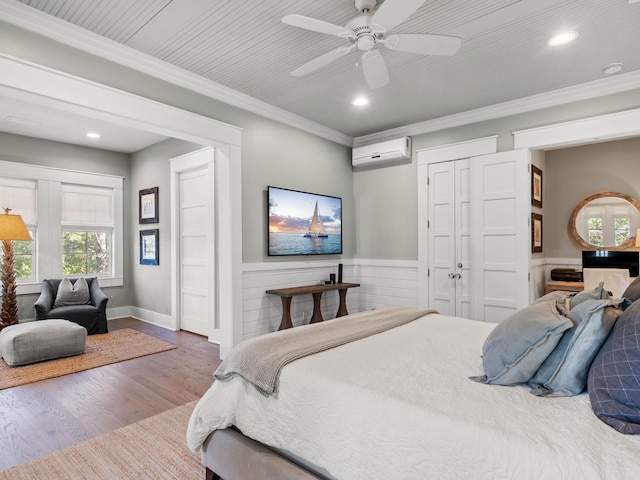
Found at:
(321, 61)
(319, 26)
(375, 69)
(424, 43)
(392, 13)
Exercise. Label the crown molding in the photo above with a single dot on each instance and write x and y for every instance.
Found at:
(51, 27)
(561, 96)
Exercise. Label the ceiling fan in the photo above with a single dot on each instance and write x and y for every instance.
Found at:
(370, 29)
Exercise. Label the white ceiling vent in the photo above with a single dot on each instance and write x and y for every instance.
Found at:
(382, 154)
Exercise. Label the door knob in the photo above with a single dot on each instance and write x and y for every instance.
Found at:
(458, 276)
(451, 276)
(459, 265)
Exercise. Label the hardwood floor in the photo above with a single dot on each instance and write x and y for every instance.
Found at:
(48, 416)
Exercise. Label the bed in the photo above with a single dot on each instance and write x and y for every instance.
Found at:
(400, 404)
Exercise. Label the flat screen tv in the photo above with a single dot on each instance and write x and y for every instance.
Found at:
(302, 223)
(612, 259)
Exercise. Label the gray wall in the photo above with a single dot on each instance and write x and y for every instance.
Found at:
(17, 148)
(150, 285)
(281, 156)
(380, 206)
(574, 173)
(272, 154)
(393, 190)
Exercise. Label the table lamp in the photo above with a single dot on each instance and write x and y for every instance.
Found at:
(11, 228)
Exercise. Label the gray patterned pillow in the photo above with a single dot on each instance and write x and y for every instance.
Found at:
(72, 293)
(614, 377)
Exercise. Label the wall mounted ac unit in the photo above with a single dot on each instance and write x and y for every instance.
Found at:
(382, 154)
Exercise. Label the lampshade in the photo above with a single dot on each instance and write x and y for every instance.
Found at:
(638, 238)
(12, 227)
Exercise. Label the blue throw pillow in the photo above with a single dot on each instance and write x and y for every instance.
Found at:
(598, 293)
(564, 372)
(614, 378)
(515, 349)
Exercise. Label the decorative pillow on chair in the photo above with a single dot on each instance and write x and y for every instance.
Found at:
(515, 349)
(564, 372)
(72, 294)
(598, 293)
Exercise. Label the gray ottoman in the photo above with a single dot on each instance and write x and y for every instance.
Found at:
(41, 340)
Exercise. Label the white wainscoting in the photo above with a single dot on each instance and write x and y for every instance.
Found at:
(386, 282)
(382, 282)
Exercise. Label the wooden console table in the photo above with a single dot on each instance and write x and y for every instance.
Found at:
(287, 294)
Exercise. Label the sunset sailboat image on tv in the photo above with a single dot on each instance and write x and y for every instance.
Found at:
(295, 230)
(316, 229)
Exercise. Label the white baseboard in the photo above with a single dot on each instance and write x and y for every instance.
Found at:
(148, 316)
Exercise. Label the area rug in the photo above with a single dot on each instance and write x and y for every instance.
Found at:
(154, 448)
(102, 349)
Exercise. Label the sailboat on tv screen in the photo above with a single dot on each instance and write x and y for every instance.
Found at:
(316, 229)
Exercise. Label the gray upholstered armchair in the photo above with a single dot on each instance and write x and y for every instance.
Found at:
(92, 316)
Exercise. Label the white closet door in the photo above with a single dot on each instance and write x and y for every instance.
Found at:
(501, 212)
(450, 238)
(463, 239)
(441, 237)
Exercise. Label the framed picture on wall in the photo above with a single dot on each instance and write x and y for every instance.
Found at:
(536, 186)
(536, 233)
(149, 247)
(148, 205)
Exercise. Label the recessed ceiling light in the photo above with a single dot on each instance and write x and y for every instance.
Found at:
(93, 135)
(360, 101)
(562, 38)
(23, 121)
(612, 68)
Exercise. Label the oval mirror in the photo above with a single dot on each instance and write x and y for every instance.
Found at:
(605, 220)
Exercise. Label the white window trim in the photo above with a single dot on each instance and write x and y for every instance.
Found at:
(50, 180)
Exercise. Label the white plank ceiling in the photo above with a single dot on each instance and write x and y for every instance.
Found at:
(243, 44)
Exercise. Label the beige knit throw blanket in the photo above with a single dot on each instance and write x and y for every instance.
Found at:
(259, 360)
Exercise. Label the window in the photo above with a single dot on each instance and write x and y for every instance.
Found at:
(87, 230)
(622, 229)
(594, 225)
(75, 220)
(20, 196)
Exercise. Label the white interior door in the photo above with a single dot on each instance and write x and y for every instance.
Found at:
(194, 251)
(501, 213)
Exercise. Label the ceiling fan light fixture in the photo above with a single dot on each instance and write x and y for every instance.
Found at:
(562, 39)
(360, 101)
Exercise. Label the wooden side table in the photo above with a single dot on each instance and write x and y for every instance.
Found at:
(287, 294)
(555, 285)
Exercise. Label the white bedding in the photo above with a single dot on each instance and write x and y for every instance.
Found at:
(400, 405)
